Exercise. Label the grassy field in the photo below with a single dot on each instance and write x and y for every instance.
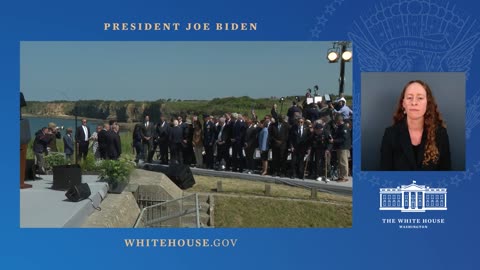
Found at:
(243, 203)
(245, 187)
(234, 212)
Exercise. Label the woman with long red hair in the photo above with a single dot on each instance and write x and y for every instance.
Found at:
(418, 139)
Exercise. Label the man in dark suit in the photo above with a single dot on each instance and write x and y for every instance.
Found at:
(113, 143)
(342, 141)
(278, 139)
(208, 140)
(238, 140)
(299, 135)
(102, 141)
(148, 130)
(187, 144)
(68, 144)
(175, 138)
(82, 137)
(292, 112)
(161, 140)
(228, 129)
(251, 142)
(321, 143)
(222, 145)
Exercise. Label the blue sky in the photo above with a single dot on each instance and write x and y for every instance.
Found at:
(179, 70)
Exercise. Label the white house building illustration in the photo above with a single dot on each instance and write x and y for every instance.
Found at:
(413, 198)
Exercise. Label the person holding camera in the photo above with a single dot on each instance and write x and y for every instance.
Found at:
(343, 109)
(54, 135)
(42, 139)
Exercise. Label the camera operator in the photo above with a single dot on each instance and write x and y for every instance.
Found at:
(54, 135)
(325, 109)
(42, 139)
(312, 112)
(343, 109)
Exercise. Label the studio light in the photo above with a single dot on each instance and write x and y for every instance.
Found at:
(347, 55)
(343, 49)
(332, 56)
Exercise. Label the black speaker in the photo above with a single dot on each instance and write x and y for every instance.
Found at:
(66, 176)
(181, 175)
(78, 192)
(30, 169)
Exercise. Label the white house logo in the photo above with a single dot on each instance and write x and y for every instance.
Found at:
(413, 198)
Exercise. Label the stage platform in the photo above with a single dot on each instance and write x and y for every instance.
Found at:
(43, 207)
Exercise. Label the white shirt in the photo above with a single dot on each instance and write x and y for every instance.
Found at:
(220, 133)
(85, 131)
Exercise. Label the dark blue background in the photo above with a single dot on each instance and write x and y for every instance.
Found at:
(369, 244)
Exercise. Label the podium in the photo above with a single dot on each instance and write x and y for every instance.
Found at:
(24, 139)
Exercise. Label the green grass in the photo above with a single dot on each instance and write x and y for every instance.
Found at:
(245, 187)
(131, 111)
(234, 212)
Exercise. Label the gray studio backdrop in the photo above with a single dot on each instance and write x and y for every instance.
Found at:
(379, 96)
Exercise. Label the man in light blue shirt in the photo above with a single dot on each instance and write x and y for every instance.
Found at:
(345, 111)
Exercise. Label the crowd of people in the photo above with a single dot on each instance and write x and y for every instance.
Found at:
(105, 142)
(306, 141)
(297, 145)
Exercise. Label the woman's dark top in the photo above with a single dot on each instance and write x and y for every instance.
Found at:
(416, 149)
(397, 153)
(137, 136)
